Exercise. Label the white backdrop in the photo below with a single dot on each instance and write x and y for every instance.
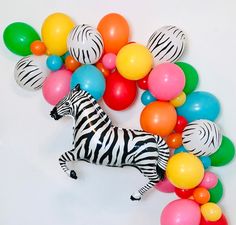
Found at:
(33, 189)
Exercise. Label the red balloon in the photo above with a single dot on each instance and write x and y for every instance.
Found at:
(120, 93)
(183, 193)
(180, 124)
(143, 83)
(221, 221)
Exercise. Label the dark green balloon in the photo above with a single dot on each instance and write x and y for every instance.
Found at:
(18, 36)
(191, 77)
(216, 193)
(224, 154)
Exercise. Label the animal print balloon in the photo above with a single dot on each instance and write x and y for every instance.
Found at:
(31, 71)
(166, 44)
(85, 44)
(202, 137)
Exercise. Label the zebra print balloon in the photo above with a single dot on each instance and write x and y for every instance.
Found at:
(31, 71)
(85, 44)
(202, 137)
(166, 44)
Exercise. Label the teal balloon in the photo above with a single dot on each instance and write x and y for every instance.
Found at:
(200, 105)
(180, 149)
(90, 79)
(18, 37)
(206, 161)
(147, 98)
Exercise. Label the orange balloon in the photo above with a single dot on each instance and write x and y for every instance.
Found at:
(201, 195)
(71, 64)
(115, 32)
(102, 68)
(158, 118)
(38, 48)
(174, 140)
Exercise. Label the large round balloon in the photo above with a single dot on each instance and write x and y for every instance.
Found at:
(184, 170)
(120, 93)
(55, 30)
(200, 105)
(158, 118)
(18, 37)
(85, 44)
(31, 71)
(181, 212)
(134, 61)
(202, 137)
(166, 81)
(90, 79)
(166, 44)
(115, 32)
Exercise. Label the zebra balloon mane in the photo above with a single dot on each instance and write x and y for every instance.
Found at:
(97, 141)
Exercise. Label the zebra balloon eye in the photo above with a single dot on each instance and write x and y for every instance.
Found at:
(67, 103)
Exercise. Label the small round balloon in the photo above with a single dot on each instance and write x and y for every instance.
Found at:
(211, 211)
(31, 71)
(54, 62)
(165, 186)
(147, 98)
(209, 180)
(202, 137)
(85, 44)
(166, 44)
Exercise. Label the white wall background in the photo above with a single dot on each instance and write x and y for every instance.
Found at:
(33, 188)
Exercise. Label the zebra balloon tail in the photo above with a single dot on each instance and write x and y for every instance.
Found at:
(99, 142)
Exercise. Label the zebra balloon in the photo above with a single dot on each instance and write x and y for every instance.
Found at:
(97, 141)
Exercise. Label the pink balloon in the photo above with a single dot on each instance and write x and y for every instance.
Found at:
(209, 180)
(181, 212)
(109, 61)
(56, 86)
(165, 186)
(166, 81)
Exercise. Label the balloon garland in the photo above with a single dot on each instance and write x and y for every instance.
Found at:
(108, 66)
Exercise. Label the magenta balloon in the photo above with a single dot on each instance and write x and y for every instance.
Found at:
(166, 81)
(165, 186)
(56, 86)
(209, 180)
(181, 212)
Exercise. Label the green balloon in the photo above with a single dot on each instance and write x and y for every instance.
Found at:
(191, 77)
(224, 154)
(18, 37)
(216, 193)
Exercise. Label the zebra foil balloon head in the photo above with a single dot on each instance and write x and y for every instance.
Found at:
(97, 141)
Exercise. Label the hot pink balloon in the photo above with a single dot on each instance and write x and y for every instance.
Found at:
(56, 86)
(165, 186)
(166, 81)
(181, 212)
(109, 61)
(209, 180)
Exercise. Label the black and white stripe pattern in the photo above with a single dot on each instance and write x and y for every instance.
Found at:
(31, 71)
(166, 44)
(97, 141)
(85, 44)
(202, 137)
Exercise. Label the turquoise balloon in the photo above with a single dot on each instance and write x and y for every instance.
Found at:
(180, 149)
(147, 98)
(90, 79)
(206, 161)
(200, 105)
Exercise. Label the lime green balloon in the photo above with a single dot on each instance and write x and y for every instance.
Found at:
(216, 193)
(191, 77)
(18, 37)
(224, 154)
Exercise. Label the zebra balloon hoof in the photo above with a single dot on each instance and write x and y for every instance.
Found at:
(98, 141)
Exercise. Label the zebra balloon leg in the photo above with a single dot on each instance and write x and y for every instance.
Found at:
(97, 141)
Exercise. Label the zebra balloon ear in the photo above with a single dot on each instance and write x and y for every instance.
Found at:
(77, 87)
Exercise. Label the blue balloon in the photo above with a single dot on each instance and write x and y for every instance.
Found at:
(180, 149)
(200, 105)
(147, 98)
(206, 161)
(54, 62)
(90, 79)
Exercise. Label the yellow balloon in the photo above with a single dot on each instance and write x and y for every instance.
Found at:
(185, 170)
(55, 30)
(211, 211)
(134, 61)
(179, 100)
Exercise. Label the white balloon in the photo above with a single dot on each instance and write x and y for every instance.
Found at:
(166, 44)
(202, 137)
(31, 71)
(85, 44)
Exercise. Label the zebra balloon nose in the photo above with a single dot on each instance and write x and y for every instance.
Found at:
(54, 114)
